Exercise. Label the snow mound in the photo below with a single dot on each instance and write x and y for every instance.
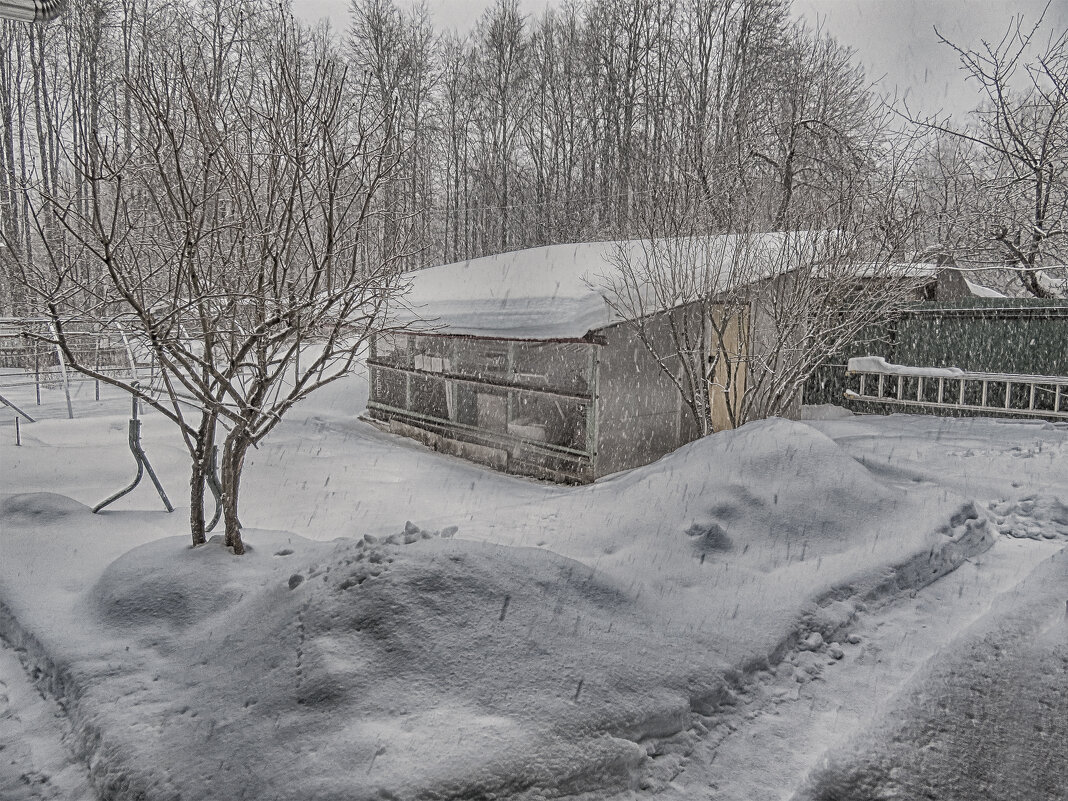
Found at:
(542, 652)
(439, 668)
(768, 483)
(39, 507)
(825, 411)
(170, 585)
(1034, 516)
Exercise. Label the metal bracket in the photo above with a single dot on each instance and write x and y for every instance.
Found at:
(143, 466)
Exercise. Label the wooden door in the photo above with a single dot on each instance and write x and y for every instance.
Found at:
(728, 354)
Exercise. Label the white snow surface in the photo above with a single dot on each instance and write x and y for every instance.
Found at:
(984, 719)
(539, 647)
(560, 291)
(877, 364)
(1055, 285)
(35, 764)
(980, 291)
(534, 293)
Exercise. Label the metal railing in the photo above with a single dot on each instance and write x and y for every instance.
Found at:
(28, 361)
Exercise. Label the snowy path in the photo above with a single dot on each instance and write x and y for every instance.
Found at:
(35, 765)
(764, 747)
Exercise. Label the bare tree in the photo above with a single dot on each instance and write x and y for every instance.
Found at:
(1021, 130)
(13, 124)
(740, 321)
(228, 237)
(503, 74)
(751, 316)
(397, 51)
(815, 124)
(726, 51)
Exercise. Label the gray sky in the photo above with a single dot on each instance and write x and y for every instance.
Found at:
(894, 39)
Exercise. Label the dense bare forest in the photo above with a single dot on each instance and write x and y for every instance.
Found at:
(599, 119)
(574, 125)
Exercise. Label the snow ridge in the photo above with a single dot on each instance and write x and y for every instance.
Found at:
(378, 633)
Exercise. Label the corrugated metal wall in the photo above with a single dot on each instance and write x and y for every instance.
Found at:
(997, 335)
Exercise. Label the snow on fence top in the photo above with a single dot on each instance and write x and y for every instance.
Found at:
(562, 291)
(877, 364)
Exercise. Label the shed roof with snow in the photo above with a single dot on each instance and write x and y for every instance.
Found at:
(559, 291)
(540, 293)
(495, 361)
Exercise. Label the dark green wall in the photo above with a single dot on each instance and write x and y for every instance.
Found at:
(993, 335)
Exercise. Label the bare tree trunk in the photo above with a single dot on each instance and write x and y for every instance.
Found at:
(233, 462)
(203, 465)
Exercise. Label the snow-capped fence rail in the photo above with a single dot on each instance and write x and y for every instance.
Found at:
(993, 335)
(955, 389)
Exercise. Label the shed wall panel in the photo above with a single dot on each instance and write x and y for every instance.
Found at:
(517, 406)
(640, 412)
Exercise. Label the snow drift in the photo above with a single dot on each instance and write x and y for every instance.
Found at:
(542, 647)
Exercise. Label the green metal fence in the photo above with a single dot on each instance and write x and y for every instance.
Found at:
(993, 335)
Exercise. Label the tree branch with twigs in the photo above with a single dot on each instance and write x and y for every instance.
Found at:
(1020, 133)
(233, 233)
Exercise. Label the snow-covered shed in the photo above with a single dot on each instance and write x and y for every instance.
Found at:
(517, 361)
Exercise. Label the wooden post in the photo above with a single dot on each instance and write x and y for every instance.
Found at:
(18, 435)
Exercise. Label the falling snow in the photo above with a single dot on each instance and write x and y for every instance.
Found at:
(763, 612)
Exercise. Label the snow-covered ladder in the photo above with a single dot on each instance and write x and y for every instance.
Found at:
(952, 388)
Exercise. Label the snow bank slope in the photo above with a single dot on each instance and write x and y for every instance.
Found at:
(986, 719)
(438, 667)
(566, 626)
(349, 670)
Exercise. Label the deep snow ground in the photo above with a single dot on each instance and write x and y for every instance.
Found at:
(986, 718)
(553, 640)
(788, 718)
(35, 759)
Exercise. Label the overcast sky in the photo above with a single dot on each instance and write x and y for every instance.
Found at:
(894, 39)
